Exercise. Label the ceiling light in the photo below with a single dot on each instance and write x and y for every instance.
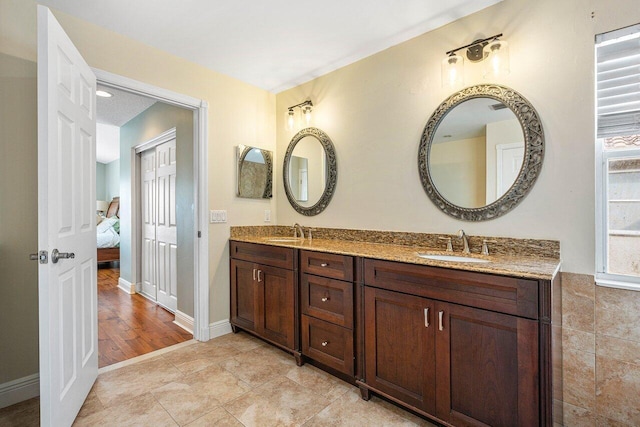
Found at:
(104, 94)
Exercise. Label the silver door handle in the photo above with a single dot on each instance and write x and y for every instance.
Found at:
(440, 316)
(426, 317)
(55, 255)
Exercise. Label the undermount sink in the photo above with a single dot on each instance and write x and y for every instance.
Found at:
(452, 258)
(285, 239)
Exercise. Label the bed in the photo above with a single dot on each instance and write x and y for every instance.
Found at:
(108, 234)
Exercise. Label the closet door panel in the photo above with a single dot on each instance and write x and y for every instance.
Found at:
(148, 217)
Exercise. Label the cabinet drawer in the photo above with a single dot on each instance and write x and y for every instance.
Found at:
(275, 256)
(492, 292)
(327, 265)
(327, 343)
(327, 299)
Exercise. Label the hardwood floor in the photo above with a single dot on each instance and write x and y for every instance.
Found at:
(130, 325)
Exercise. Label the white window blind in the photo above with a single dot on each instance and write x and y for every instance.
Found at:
(618, 82)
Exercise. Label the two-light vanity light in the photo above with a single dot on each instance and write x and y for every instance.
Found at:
(303, 119)
(491, 49)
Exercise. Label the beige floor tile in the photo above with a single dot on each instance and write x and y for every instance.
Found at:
(242, 341)
(183, 402)
(143, 410)
(125, 384)
(260, 365)
(91, 404)
(23, 414)
(219, 417)
(200, 356)
(217, 382)
(319, 382)
(280, 402)
(351, 411)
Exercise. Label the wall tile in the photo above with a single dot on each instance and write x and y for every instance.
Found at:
(579, 379)
(618, 313)
(619, 349)
(556, 363)
(575, 340)
(576, 416)
(618, 391)
(606, 422)
(557, 412)
(578, 302)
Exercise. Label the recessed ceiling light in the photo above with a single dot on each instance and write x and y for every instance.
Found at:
(104, 94)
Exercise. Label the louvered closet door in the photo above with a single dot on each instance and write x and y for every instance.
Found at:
(148, 215)
(166, 226)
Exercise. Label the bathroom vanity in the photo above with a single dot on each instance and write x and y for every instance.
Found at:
(463, 343)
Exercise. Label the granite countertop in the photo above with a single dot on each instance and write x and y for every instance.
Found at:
(530, 267)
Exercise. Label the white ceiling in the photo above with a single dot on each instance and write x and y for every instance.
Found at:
(275, 44)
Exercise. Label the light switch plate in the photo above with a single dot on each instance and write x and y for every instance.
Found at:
(267, 215)
(217, 216)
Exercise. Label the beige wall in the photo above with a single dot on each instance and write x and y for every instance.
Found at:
(18, 219)
(375, 110)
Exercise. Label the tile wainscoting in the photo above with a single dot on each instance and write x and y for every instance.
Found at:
(599, 368)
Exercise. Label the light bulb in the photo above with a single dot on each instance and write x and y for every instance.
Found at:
(290, 120)
(307, 115)
(497, 59)
(452, 71)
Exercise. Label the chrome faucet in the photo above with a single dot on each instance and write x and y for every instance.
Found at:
(465, 241)
(297, 227)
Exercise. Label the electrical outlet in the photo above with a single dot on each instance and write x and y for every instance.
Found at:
(217, 216)
(267, 215)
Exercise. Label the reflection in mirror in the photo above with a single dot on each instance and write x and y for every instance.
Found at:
(476, 153)
(480, 153)
(254, 173)
(310, 171)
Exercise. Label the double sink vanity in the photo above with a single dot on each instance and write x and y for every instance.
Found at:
(463, 339)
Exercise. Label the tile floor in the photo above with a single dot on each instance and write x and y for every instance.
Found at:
(233, 380)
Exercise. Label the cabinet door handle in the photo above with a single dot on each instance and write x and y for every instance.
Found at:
(325, 343)
(324, 264)
(325, 299)
(440, 316)
(254, 274)
(426, 317)
(259, 272)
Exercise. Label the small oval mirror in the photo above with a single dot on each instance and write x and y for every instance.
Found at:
(310, 171)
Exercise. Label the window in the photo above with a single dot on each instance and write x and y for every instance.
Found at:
(618, 158)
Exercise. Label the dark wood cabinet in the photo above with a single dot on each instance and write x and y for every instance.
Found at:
(263, 297)
(462, 365)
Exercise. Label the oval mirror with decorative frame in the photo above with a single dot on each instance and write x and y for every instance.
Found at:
(310, 171)
(481, 152)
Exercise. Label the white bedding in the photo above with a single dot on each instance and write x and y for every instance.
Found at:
(108, 237)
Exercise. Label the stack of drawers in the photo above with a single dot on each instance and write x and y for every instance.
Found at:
(326, 292)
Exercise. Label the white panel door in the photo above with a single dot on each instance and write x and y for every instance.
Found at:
(148, 207)
(67, 289)
(509, 158)
(166, 226)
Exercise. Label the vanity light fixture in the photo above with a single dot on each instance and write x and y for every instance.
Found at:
(493, 49)
(306, 108)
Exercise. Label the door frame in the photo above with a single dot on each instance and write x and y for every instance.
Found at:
(200, 196)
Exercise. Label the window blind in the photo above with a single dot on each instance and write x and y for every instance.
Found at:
(618, 82)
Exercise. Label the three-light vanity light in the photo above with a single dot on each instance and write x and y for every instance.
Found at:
(491, 49)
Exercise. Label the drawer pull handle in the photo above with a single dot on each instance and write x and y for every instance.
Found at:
(259, 279)
(324, 264)
(325, 299)
(440, 316)
(426, 317)
(325, 343)
(254, 274)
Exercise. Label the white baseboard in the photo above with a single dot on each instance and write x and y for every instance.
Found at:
(184, 321)
(219, 328)
(19, 390)
(126, 286)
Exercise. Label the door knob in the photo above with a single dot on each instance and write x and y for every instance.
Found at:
(55, 255)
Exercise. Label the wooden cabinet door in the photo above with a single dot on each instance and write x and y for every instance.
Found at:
(244, 294)
(276, 320)
(399, 346)
(487, 368)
